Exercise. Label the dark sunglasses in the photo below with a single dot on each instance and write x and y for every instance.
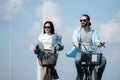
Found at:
(47, 27)
(83, 20)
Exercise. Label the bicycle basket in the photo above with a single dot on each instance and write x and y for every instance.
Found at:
(95, 58)
(48, 59)
(91, 59)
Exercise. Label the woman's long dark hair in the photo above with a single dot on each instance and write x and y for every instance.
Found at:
(51, 26)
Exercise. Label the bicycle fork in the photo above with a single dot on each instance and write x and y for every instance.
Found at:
(93, 73)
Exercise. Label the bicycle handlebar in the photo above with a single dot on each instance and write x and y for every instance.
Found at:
(101, 44)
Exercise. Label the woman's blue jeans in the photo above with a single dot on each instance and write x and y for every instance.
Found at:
(101, 67)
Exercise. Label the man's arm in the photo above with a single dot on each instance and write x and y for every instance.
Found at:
(75, 40)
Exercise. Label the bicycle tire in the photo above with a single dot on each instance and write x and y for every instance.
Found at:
(86, 74)
(89, 73)
(95, 74)
(48, 74)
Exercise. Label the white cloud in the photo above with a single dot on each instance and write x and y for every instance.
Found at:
(35, 30)
(16, 5)
(110, 30)
(115, 57)
(5, 9)
(49, 11)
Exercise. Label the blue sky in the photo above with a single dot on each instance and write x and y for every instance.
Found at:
(28, 17)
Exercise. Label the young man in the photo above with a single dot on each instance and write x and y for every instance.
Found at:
(87, 36)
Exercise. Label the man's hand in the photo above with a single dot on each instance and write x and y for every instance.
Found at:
(101, 44)
(77, 44)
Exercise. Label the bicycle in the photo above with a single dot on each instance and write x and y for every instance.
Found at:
(50, 70)
(42, 56)
(90, 64)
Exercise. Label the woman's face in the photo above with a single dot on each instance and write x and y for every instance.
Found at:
(47, 28)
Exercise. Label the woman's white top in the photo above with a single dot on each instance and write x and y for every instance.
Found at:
(49, 41)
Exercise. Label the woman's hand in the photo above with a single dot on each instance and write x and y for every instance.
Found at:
(61, 47)
(36, 49)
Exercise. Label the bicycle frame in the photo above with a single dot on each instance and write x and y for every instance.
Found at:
(49, 69)
(89, 64)
(90, 61)
(48, 74)
(40, 52)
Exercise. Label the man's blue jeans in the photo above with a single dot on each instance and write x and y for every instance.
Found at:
(101, 67)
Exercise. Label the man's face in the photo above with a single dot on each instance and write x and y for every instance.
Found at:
(84, 21)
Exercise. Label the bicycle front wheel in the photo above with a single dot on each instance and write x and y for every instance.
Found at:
(48, 74)
(94, 74)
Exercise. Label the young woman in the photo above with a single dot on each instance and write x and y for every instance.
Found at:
(50, 40)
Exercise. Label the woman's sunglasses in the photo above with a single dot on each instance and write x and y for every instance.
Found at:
(47, 27)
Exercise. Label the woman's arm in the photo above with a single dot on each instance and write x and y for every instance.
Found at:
(60, 46)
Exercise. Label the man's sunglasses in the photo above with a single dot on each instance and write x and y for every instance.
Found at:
(83, 20)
